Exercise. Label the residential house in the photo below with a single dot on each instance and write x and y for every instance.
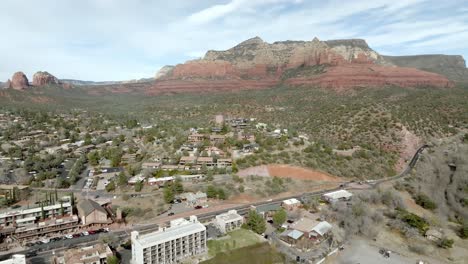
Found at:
(291, 204)
(266, 209)
(187, 160)
(135, 179)
(214, 151)
(217, 139)
(320, 231)
(229, 221)
(160, 181)
(340, 195)
(207, 161)
(195, 138)
(92, 213)
(222, 163)
(151, 165)
(292, 236)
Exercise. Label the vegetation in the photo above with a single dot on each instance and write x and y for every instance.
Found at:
(280, 217)
(255, 222)
(424, 201)
(259, 253)
(235, 239)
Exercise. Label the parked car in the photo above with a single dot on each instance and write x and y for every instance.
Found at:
(171, 213)
(76, 235)
(92, 232)
(85, 233)
(198, 207)
(45, 241)
(68, 236)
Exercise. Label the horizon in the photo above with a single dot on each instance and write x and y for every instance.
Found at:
(126, 41)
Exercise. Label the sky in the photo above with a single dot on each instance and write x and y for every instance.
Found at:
(102, 40)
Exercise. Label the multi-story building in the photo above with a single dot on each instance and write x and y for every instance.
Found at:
(183, 239)
(229, 221)
(21, 217)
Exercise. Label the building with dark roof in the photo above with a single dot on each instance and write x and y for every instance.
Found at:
(90, 212)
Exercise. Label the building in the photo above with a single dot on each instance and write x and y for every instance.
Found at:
(195, 138)
(207, 161)
(15, 259)
(187, 160)
(291, 204)
(91, 213)
(31, 215)
(219, 119)
(183, 239)
(222, 163)
(194, 177)
(266, 209)
(160, 181)
(150, 165)
(217, 139)
(31, 231)
(305, 225)
(340, 195)
(320, 231)
(96, 254)
(229, 221)
(136, 179)
(292, 236)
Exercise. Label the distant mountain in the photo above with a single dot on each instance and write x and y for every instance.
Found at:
(452, 66)
(254, 64)
(92, 83)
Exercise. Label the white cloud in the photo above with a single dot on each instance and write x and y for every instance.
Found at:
(126, 39)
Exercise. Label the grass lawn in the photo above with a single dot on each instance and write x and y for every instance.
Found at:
(260, 253)
(235, 239)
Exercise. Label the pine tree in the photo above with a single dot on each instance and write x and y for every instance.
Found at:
(256, 222)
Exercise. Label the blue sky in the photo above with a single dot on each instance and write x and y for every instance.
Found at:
(128, 39)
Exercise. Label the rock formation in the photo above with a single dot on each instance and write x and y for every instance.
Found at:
(44, 78)
(254, 64)
(164, 71)
(19, 81)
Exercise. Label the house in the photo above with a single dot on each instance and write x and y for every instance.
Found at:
(305, 225)
(151, 165)
(187, 160)
(194, 177)
(171, 167)
(207, 161)
(137, 178)
(266, 209)
(96, 254)
(222, 163)
(251, 147)
(340, 195)
(217, 139)
(128, 158)
(91, 213)
(291, 204)
(292, 236)
(160, 181)
(229, 221)
(212, 150)
(194, 199)
(320, 231)
(195, 138)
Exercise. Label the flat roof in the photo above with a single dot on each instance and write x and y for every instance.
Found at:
(33, 210)
(291, 201)
(295, 234)
(338, 194)
(229, 216)
(171, 233)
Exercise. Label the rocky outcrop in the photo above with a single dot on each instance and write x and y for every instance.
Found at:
(19, 81)
(164, 71)
(256, 64)
(43, 78)
(451, 66)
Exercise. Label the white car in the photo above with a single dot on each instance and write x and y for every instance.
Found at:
(69, 236)
(85, 233)
(45, 241)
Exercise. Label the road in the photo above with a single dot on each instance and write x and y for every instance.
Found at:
(52, 247)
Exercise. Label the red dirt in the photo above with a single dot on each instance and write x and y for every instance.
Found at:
(298, 173)
(288, 171)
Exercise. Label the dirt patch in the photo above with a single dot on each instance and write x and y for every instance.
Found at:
(408, 146)
(287, 171)
(298, 173)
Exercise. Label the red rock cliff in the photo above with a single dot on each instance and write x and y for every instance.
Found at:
(43, 79)
(19, 81)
